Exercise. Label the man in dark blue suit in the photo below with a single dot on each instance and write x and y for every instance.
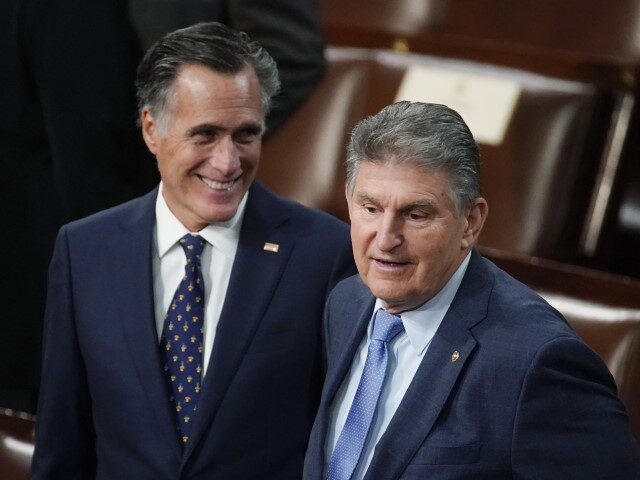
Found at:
(440, 365)
(182, 333)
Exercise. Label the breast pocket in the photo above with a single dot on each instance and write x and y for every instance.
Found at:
(447, 455)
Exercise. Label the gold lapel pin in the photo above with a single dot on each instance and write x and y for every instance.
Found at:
(271, 247)
(455, 356)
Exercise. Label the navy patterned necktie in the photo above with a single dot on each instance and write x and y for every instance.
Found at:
(182, 339)
(352, 439)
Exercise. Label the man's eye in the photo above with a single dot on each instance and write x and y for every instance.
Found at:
(417, 216)
(246, 136)
(202, 138)
(370, 208)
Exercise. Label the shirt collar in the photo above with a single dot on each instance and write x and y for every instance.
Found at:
(221, 235)
(421, 323)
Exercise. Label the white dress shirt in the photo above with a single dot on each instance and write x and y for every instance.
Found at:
(405, 355)
(216, 261)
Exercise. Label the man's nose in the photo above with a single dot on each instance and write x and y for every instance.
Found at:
(389, 235)
(225, 157)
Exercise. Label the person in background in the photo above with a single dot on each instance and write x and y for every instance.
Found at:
(69, 147)
(183, 328)
(440, 365)
(68, 141)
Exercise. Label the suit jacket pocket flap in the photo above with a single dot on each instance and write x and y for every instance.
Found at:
(451, 455)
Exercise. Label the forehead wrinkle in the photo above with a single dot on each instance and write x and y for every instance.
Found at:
(363, 196)
(425, 202)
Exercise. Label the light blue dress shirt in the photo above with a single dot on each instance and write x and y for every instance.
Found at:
(407, 351)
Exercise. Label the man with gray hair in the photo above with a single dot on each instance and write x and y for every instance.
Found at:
(440, 365)
(182, 333)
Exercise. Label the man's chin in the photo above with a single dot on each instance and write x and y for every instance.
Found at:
(221, 215)
(219, 208)
(390, 297)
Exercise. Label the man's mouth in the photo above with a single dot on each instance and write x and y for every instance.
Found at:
(389, 263)
(214, 185)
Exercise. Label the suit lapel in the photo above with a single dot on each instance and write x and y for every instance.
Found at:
(421, 404)
(352, 338)
(436, 376)
(254, 277)
(131, 253)
(344, 345)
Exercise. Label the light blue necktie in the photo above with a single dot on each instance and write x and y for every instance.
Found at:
(351, 441)
(181, 341)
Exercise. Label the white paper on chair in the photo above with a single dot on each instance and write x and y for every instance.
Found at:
(486, 103)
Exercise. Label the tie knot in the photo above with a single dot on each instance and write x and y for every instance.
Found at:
(192, 246)
(386, 326)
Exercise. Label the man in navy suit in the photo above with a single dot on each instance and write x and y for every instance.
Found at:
(116, 361)
(440, 365)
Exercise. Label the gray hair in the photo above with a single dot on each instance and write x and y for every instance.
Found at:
(428, 135)
(211, 44)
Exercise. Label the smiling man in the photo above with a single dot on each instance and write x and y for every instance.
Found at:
(208, 153)
(182, 334)
(440, 365)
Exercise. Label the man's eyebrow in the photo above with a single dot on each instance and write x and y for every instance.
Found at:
(203, 129)
(253, 128)
(427, 202)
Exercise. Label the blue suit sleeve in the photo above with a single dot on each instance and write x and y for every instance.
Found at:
(569, 422)
(65, 439)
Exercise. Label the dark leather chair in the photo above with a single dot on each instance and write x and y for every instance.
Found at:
(577, 39)
(618, 250)
(17, 436)
(304, 159)
(538, 181)
(582, 40)
(604, 309)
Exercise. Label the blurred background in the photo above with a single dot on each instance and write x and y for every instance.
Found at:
(562, 180)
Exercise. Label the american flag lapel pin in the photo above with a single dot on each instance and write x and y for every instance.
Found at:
(271, 247)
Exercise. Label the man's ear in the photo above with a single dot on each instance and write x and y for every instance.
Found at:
(150, 131)
(348, 192)
(475, 220)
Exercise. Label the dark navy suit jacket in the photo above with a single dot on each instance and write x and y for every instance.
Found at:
(525, 398)
(104, 410)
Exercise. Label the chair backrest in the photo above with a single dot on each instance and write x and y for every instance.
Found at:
(582, 40)
(576, 39)
(537, 181)
(17, 437)
(604, 309)
(304, 159)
